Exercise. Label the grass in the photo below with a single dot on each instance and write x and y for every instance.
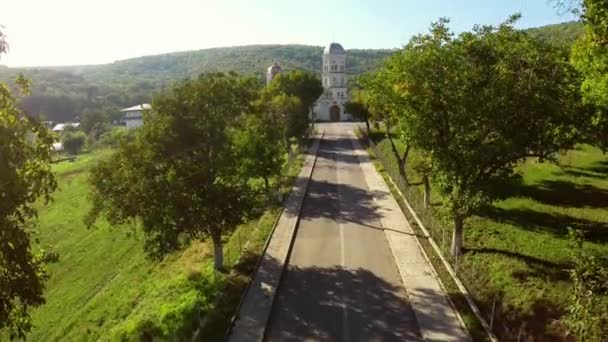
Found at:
(517, 249)
(104, 287)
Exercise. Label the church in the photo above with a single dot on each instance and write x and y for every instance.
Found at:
(330, 106)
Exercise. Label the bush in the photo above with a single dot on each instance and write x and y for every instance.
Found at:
(73, 141)
(587, 317)
(113, 137)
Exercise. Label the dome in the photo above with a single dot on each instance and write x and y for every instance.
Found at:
(334, 49)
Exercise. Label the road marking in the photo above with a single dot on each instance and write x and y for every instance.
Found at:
(345, 330)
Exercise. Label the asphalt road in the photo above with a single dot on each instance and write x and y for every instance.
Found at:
(341, 282)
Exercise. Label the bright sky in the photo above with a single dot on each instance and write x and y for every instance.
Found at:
(69, 32)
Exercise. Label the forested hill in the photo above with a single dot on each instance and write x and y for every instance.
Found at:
(252, 59)
(62, 93)
(561, 34)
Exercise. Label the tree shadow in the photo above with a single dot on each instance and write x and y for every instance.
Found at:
(341, 203)
(556, 224)
(563, 194)
(599, 167)
(536, 267)
(336, 304)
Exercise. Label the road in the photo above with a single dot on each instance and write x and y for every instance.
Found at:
(341, 282)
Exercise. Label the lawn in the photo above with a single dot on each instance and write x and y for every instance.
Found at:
(517, 251)
(104, 288)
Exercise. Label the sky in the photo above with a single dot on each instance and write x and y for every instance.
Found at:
(74, 32)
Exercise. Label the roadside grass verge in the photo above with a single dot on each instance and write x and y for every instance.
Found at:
(105, 288)
(517, 251)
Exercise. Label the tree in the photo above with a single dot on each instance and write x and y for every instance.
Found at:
(94, 121)
(478, 104)
(73, 141)
(25, 178)
(302, 84)
(180, 177)
(258, 143)
(385, 104)
(590, 57)
(358, 108)
(307, 88)
(285, 113)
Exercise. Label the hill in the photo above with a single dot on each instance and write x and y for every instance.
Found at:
(251, 59)
(62, 93)
(562, 34)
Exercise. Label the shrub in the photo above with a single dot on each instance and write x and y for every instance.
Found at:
(73, 141)
(587, 317)
(113, 137)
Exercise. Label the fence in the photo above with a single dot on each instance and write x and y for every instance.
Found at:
(489, 301)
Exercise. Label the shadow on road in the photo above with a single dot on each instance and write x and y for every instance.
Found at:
(335, 304)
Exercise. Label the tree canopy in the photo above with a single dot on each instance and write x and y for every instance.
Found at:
(25, 177)
(180, 177)
(475, 105)
(590, 57)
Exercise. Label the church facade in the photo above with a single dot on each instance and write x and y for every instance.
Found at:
(330, 106)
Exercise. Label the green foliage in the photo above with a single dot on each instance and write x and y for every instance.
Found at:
(294, 94)
(564, 34)
(25, 177)
(587, 317)
(115, 137)
(304, 85)
(595, 16)
(517, 247)
(259, 149)
(180, 175)
(590, 57)
(94, 122)
(477, 104)
(357, 106)
(73, 141)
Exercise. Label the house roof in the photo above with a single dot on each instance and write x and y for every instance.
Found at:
(139, 107)
(61, 126)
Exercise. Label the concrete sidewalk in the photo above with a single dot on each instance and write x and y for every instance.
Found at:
(437, 318)
(255, 310)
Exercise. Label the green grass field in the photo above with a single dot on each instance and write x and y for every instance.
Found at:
(104, 288)
(518, 250)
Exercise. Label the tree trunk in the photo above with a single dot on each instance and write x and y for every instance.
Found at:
(266, 184)
(393, 146)
(457, 236)
(367, 126)
(427, 191)
(403, 163)
(218, 251)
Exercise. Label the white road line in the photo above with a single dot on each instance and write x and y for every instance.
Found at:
(345, 330)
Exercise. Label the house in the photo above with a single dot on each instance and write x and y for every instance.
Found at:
(133, 117)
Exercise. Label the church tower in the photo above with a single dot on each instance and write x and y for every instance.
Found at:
(330, 106)
(272, 71)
